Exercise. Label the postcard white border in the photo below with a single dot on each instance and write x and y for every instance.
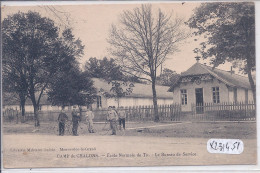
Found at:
(229, 168)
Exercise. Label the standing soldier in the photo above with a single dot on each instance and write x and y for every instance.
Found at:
(62, 119)
(112, 117)
(122, 117)
(75, 120)
(89, 118)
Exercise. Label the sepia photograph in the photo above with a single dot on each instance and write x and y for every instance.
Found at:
(140, 84)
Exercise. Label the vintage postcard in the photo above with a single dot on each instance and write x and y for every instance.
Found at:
(135, 84)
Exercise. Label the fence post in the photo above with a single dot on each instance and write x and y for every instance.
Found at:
(162, 112)
(140, 113)
(207, 111)
(168, 113)
(17, 117)
(130, 114)
(246, 108)
(171, 112)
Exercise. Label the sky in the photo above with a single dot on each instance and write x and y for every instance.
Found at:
(91, 24)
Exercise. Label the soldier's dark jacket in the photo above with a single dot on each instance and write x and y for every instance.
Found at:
(75, 116)
(62, 117)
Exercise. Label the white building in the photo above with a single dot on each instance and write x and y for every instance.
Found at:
(141, 96)
(202, 84)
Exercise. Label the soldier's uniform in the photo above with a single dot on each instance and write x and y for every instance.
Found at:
(89, 118)
(75, 120)
(122, 117)
(112, 117)
(62, 119)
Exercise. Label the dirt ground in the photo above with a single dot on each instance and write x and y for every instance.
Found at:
(237, 130)
(141, 144)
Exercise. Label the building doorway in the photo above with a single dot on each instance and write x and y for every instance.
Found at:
(199, 100)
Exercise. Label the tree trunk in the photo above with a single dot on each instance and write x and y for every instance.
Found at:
(156, 114)
(35, 105)
(23, 109)
(22, 104)
(251, 80)
(36, 116)
(35, 111)
(252, 84)
(23, 112)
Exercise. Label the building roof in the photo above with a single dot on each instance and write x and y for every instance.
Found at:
(226, 77)
(139, 90)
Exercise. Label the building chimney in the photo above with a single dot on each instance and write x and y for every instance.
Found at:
(197, 58)
(231, 70)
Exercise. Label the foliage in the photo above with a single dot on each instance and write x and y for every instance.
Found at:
(106, 69)
(72, 88)
(14, 85)
(33, 42)
(119, 89)
(168, 77)
(142, 40)
(229, 29)
(229, 32)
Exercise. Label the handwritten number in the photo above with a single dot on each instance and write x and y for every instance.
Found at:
(222, 146)
(227, 146)
(211, 144)
(238, 145)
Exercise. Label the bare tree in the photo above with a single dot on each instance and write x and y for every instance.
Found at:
(142, 41)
